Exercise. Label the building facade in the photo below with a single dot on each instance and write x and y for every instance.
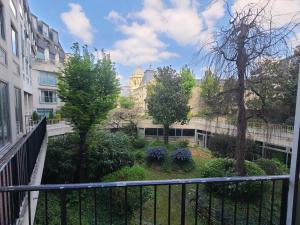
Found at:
(46, 66)
(139, 82)
(19, 49)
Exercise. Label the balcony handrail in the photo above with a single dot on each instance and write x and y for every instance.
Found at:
(141, 183)
(14, 149)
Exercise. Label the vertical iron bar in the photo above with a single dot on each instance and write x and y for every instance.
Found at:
(272, 202)
(110, 206)
(63, 209)
(169, 205)
(141, 205)
(183, 195)
(79, 199)
(247, 213)
(46, 207)
(29, 207)
(284, 201)
(155, 196)
(126, 219)
(196, 204)
(222, 204)
(95, 206)
(261, 201)
(209, 206)
(235, 202)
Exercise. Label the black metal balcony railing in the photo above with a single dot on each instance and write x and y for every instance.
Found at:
(47, 99)
(187, 209)
(16, 168)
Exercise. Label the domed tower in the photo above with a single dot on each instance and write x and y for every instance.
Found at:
(136, 78)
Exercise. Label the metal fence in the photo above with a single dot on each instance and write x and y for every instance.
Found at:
(16, 168)
(104, 201)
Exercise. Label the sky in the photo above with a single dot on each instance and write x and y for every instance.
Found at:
(148, 32)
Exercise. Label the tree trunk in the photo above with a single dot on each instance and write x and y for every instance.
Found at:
(80, 168)
(166, 134)
(241, 120)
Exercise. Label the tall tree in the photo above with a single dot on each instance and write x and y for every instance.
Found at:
(188, 79)
(249, 37)
(209, 92)
(167, 99)
(89, 90)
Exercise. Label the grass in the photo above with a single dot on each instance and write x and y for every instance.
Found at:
(159, 172)
(166, 170)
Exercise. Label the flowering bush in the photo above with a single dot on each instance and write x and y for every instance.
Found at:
(157, 153)
(182, 155)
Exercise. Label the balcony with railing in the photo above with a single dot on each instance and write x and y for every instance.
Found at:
(48, 99)
(218, 200)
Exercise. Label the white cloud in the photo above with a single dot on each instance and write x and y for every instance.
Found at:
(180, 20)
(115, 17)
(282, 11)
(77, 23)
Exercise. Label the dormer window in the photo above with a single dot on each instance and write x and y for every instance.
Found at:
(45, 30)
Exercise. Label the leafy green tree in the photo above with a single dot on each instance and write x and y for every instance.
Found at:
(188, 79)
(167, 99)
(89, 90)
(126, 103)
(209, 91)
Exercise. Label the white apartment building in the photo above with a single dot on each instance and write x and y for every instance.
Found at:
(24, 40)
(16, 48)
(46, 65)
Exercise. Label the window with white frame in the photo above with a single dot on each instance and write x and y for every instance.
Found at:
(47, 78)
(14, 41)
(4, 115)
(48, 96)
(18, 110)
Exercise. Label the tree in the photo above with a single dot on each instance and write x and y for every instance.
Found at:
(273, 88)
(167, 99)
(209, 92)
(250, 37)
(126, 103)
(188, 80)
(89, 90)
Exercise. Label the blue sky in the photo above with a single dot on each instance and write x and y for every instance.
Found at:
(156, 32)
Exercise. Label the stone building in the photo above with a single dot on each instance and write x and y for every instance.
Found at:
(139, 82)
(21, 41)
(47, 63)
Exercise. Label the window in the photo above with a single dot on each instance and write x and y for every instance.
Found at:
(18, 109)
(4, 115)
(178, 132)
(151, 131)
(3, 58)
(46, 78)
(45, 30)
(13, 8)
(188, 132)
(48, 96)
(40, 55)
(2, 25)
(14, 41)
(44, 112)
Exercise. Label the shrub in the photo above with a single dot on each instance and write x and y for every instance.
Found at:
(183, 144)
(272, 166)
(134, 173)
(225, 167)
(225, 145)
(35, 116)
(60, 164)
(182, 155)
(157, 153)
(107, 152)
(139, 142)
